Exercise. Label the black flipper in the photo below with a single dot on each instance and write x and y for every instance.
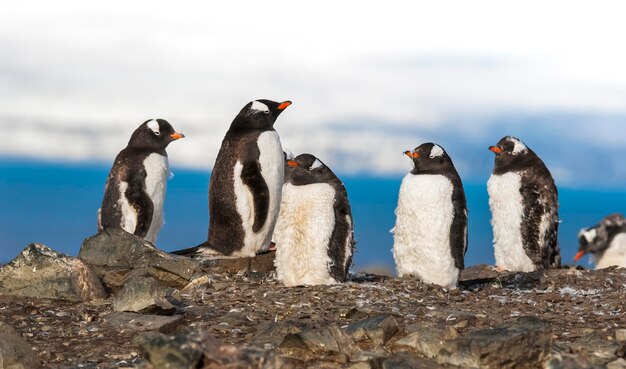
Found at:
(342, 230)
(251, 177)
(139, 199)
(458, 230)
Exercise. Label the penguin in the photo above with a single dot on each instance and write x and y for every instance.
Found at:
(430, 235)
(606, 242)
(135, 188)
(246, 185)
(314, 233)
(524, 205)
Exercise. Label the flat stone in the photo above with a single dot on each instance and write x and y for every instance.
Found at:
(378, 329)
(117, 255)
(617, 364)
(270, 334)
(40, 272)
(324, 340)
(620, 335)
(139, 322)
(524, 343)
(260, 263)
(143, 295)
(15, 353)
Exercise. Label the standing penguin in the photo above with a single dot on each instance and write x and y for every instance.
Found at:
(135, 189)
(606, 242)
(430, 236)
(314, 234)
(246, 184)
(524, 206)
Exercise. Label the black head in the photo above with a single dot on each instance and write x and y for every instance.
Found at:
(307, 169)
(259, 114)
(154, 134)
(511, 154)
(430, 158)
(595, 240)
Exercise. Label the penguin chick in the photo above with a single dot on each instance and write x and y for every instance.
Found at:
(314, 234)
(524, 205)
(135, 188)
(430, 235)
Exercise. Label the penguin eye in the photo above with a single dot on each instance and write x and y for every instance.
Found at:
(157, 133)
(266, 112)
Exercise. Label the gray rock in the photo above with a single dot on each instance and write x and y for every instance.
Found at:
(524, 343)
(116, 256)
(270, 335)
(139, 322)
(405, 360)
(41, 272)
(594, 348)
(15, 353)
(324, 340)
(378, 329)
(187, 351)
(142, 295)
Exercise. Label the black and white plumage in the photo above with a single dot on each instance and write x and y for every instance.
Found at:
(605, 242)
(524, 205)
(430, 235)
(314, 234)
(135, 188)
(246, 184)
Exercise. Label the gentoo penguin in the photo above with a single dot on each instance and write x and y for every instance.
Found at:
(314, 234)
(135, 188)
(430, 236)
(524, 206)
(606, 242)
(246, 184)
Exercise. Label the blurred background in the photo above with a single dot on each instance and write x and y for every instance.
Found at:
(368, 80)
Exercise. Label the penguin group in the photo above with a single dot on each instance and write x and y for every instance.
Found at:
(261, 197)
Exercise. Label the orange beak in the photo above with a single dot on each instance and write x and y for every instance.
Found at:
(284, 105)
(177, 135)
(579, 255)
(496, 149)
(292, 163)
(412, 154)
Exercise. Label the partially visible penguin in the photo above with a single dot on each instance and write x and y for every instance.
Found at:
(246, 184)
(430, 235)
(605, 242)
(314, 234)
(524, 205)
(135, 188)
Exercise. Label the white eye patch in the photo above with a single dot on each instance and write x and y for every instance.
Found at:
(518, 147)
(589, 235)
(259, 106)
(436, 152)
(316, 164)
(154, 126)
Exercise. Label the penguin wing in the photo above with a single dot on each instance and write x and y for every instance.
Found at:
(458, 230)
(251, 176)
(138, 198)
(341, 243)
(531, 219)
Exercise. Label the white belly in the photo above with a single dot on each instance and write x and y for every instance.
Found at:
(272, 164)
(422, 233)
(157, 171)
(615, 255)
(303, 231)
(507, 209)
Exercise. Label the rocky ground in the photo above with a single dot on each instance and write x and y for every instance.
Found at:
(577, 320)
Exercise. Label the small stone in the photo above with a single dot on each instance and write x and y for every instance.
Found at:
(378, 329)
(325, 340)
(617, 364)
(269, 335)
(139, 323)
(15, 353)
(620, 335)
(143, 295)
(40, 272)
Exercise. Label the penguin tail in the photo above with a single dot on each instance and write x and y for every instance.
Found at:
(200, 251)
(191, 251)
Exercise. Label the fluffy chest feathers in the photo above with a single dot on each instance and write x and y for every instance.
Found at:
(614, 255)
(507, 208)
(422, 233)
(303, 232)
